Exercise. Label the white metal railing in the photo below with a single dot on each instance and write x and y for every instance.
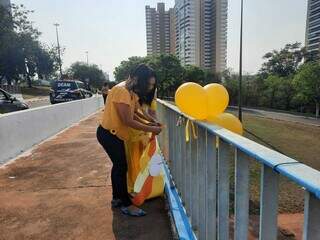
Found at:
(200, 171)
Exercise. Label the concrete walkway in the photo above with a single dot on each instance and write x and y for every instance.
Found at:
(62, 191)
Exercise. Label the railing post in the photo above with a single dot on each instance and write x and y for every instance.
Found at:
(194, 184)
(241, 195)
(180, 159)
(268, 204)
(171, 145)
(188, 171)
(211, 185)
(224, 156)
(202, 175)
(183, 161)
(311, 229)
(167, 139)
(160, 115)
(175, 150)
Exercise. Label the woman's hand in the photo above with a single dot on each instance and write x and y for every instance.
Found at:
(127, 118)
(156, 130)
(155, 124)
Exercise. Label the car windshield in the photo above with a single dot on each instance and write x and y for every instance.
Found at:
(2, 96)
(64, 85)
(81, 85)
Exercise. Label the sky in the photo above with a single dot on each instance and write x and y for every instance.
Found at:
(113, 30)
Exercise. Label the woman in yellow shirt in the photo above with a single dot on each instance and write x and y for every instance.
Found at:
(118, 117)
(138, 140)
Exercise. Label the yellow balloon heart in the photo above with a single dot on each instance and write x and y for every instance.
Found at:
(227, 121)
(218, 99)
(191, 99)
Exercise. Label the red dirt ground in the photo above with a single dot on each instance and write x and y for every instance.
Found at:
(62, 191)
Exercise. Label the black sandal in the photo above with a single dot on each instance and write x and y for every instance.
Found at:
(139, 213)
(116, 203)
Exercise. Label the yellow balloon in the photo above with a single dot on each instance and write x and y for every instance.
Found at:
(191, 99)
(227, 121)
(218, 99)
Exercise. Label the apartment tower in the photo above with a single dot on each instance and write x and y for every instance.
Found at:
(160, 28)
(201, 33)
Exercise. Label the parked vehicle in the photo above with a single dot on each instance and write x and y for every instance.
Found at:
(9, 103)
(68, 90)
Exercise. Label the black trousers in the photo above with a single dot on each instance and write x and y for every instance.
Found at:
(114, 147)
(104, 98)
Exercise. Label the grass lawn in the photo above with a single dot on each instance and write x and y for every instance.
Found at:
(38, 91)
(299, 141)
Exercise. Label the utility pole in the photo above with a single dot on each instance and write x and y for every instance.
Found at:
(59, 52)
(27, 72)
(240, 67)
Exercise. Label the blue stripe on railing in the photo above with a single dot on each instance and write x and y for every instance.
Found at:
(180, 218)
(297, 172)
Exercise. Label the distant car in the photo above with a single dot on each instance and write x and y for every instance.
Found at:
(9, 103)
(68, 90)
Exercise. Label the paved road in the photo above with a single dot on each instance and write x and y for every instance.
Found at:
(34, 103)
(281, 116)
(62, 190)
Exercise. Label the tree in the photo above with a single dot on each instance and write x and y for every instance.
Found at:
(283, 63)
(307, 84)
(169, 72)
(46, 61)
(272, 82)
(123, 71)
(7, 38)
(277, 74)
(250, 90)
(168, 69)
(287, 91)
(230, 81)
(211, 77)
(85, 72)
(194, 74)
(251, 87)
(20, 48)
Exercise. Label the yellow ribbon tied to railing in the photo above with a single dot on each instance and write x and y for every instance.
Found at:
(193, 130)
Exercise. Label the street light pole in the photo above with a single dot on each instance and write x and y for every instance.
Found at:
(59, 52)
(240, 67)
(27, 72)
(87, 55)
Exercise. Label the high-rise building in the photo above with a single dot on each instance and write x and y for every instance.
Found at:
(313, 29)
(201, 33)
(172, 31)
(159, 24)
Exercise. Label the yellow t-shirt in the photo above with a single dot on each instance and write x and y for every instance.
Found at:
(111, 119)
(153, 105)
